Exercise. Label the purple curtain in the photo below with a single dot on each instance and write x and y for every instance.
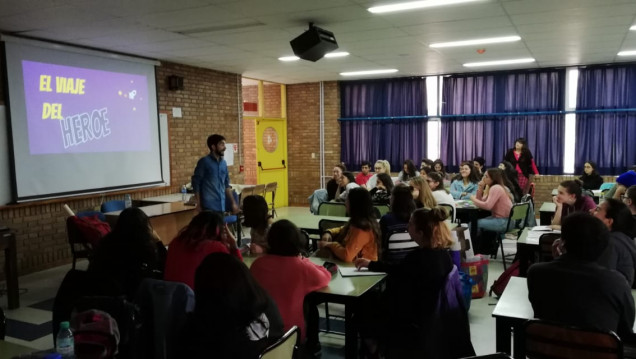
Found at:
(606, 138)
(397, 129)
(494, 96)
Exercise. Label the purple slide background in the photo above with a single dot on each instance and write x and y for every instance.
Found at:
(129, 120)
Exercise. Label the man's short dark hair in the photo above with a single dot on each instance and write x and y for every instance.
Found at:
(214, 140)
(366, 163)
(584, 236)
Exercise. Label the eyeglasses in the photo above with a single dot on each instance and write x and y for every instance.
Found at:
(377, 168)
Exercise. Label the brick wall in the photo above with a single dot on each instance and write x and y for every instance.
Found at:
(209, 102)
(303, 128)
(271, 99)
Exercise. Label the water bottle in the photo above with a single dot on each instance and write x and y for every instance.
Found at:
(184, 194)
(127, 201)
(65, 345)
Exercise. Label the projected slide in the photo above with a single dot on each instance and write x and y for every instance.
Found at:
(78, 110)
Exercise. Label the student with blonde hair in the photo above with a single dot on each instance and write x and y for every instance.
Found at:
(381, 166)
(423, 196)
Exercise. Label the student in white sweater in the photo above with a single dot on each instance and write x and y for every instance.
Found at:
(436, 183)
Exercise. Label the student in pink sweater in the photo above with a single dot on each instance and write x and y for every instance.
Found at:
(498, 202)
(286, 275)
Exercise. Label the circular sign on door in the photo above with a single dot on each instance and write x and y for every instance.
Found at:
(270, 139)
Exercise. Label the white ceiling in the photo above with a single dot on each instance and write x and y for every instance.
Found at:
(248, 36)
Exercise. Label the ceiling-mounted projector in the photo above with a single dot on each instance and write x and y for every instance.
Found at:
(314, 43)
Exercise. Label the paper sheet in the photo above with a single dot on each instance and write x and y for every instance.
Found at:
(354, 272)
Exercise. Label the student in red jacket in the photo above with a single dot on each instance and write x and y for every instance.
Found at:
(286, 275)
(205, 234)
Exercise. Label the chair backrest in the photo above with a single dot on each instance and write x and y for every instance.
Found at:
(607, 185)
(284, 347)
(114, 205)
(326, 224)
(332, 209)
(259, 190)
(545, 246)
(588, 192)
(518, 214)
(449, 209)
(555, 340)
(271, 187)
(383, 209)
(400, 244)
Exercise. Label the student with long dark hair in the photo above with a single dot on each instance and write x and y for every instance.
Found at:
(257, 217)
(409, 309)
(233, 316)
(512, 180)
(204, 234)
(286, 275)
(521, 158)
(436, 183)
(408, 172)
(381, 193)
(360, 237)
(397, 220)
(590, 178)
(620, 254)
(465, 184)
(438, 166)
(570, 199)
(128, 254)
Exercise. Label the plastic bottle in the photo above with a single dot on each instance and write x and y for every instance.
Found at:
(127, 201)
(184, 194)
(65, 344)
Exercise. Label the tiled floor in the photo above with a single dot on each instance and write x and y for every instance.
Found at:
(39, 288)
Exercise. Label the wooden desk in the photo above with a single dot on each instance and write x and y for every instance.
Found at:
(167, 219)
(546, 212)
(309, 222)
(344, 290)
(7, 243)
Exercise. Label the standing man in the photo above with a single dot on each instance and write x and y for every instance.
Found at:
(363, 177)
(211, 181)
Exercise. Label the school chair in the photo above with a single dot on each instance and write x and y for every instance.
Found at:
(336, 209)
(516, 224)
(271, 188)
(284, 348)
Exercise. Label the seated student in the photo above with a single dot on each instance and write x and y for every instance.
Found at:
(620, 253)
(128, 254)
(438, 166)
(590, 178)
(334, 187)
(574, 289)
(328, 194)
(409, 315)
(381, 166)
(365, 173)
(424, 171)
(436, 183)
(381, 194)
(465, 184)
(426, 163)
(408, 172)
(630, 199)
(422, 193)
(478, 164)
(511, 179)
(257, 217)
(397, 220)
(360, 237)
(204, 234)
(347, 181)
(498, 202)
(233, 316)
(623, 181)
(570, 199)
(286, 275)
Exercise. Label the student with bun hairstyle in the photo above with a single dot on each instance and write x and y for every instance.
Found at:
(410, 302)
(570, 199)
(381, 166)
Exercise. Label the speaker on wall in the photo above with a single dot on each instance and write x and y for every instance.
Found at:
(175, 83)
(314, 43)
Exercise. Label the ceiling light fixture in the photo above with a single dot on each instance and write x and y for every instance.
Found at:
(627, 53)
(414, 5)
(337, 54)
(499, 62)
(289, 58)
(490, 40)
(368, 72)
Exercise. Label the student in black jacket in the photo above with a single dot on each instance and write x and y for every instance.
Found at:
(590, 178)
(410, 304)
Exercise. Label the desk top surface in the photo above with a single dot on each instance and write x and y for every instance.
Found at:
(173, 197)
(156, 210)
(10, 350)
(339, 285)
(514, 302)
(548, 207)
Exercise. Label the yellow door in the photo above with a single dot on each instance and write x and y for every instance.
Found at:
(271, 156)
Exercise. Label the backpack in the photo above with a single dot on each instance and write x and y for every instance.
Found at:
(500, 284)
(91, 228)
(95, 333)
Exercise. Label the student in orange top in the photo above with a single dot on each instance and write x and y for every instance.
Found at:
(360, 237)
